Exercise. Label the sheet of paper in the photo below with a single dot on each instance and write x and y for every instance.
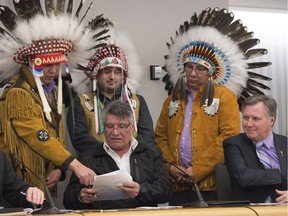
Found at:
(109, 185)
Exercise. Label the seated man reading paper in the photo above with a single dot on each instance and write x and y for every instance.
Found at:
(150, 185)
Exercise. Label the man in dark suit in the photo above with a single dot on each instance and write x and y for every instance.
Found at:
(257, 159)
(14, 190)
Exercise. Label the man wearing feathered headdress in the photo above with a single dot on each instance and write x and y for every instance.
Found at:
(207, 66)
(113, 73)
(36, 47)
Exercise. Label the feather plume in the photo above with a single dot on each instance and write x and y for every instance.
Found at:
(50, 8)
(226, 19)
(203, 17)
(104, 31)
(208, 93)
(90, 6)
(100, 22)
(7, 17)
(186, 25)
(252, 53)
(168, 45)
(83, 68)
(172, 41)
(253, 90)
(213, 14)
(69, 7)
(253, 65)
(181, 29)
(258, 76)
(79, 8)
(257, 84)
(242, 36)
(233, 28)
(220, 16)
(242, 30)
(98, 45)
(245, 94)
(26, 9)
(244, 46)
(60, 7)
(193, 20)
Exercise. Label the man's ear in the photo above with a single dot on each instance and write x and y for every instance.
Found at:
(273, 119)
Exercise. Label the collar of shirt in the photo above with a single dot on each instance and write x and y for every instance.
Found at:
(48, 88)
(124, 162)
(105, 100)
(268, 141)
(133, 145)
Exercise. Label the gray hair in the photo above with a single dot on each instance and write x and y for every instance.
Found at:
(120, 109)
(269, 104)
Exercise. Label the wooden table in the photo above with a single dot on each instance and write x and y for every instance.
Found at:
(252, 210)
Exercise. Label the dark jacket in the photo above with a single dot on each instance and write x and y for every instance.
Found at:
(147, 168)
(11, 185)
(249, 179)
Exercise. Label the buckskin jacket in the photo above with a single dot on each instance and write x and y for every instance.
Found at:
(25, 131)
(146, 168)
(209, 127)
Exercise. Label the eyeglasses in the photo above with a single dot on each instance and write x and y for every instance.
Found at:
(197, 68)
(119, 127)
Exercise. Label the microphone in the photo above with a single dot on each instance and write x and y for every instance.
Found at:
(198, 204)
(51, 209)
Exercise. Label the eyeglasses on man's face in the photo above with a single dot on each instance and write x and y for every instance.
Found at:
(119, 127)
(195, 67)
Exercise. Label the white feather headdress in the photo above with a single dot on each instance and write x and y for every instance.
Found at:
(46, 35)
(120, 47)
(223, 46)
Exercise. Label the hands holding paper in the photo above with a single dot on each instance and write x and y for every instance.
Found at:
(131, 189)
(88, 195)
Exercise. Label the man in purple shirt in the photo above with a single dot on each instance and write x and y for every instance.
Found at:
(257, 159)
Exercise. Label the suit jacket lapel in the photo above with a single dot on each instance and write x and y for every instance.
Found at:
(249, 152)
(281, 148)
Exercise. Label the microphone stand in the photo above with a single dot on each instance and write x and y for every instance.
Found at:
(198, 204)
(51, 209)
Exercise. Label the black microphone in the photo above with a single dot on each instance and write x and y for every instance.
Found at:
(198, 204)
(51, 209)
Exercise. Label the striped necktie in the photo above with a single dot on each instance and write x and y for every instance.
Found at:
(261, 153)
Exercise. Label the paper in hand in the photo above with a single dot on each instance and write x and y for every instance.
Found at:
(109, 185)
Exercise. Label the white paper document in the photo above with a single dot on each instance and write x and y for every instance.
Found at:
(109, 185)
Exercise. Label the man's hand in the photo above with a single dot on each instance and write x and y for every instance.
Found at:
(88, 195)
(131, 189)
(180, 176)
(53, 178)
(85, 174)
(283, 196)
(35, 196)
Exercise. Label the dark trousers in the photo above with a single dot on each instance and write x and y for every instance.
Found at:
(188, 196)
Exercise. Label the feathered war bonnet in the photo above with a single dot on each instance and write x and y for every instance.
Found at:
(223, 47)
(119, 52)
(48, 35)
